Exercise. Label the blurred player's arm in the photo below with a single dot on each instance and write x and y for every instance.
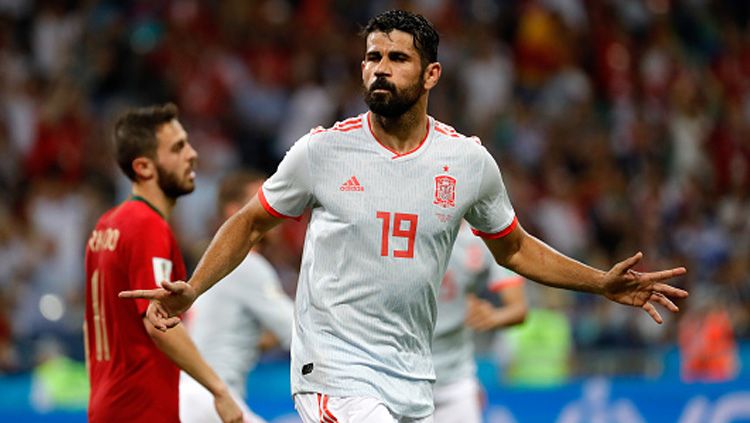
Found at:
(530, 257)
(482, 315)
(178, 346)
(267, 340)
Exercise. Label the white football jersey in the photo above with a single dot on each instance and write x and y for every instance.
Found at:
(377, 245)
(227, 321)
(470, 269)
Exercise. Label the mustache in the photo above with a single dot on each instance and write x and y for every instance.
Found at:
(382, 84)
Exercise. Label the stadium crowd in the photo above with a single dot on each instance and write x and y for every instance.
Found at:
(619, 126)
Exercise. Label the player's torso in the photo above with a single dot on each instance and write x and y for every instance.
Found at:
(401, 213)
(121, 354)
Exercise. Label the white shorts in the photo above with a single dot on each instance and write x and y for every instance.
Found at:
(197, 404)
(319, 408)
(458, 402)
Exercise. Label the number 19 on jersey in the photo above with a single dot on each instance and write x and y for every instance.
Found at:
(397, 230)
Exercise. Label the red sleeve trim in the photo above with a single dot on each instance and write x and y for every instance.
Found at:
(271, 210)
(500, 234)
(501, 284)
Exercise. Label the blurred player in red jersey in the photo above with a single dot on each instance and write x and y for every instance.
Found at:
(134, 368)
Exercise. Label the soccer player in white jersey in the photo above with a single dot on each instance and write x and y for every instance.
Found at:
(227, 324)
(388, 190)
(471, 268)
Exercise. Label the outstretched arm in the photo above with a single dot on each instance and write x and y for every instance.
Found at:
(228, 248)
(539, 262)
(178, 346)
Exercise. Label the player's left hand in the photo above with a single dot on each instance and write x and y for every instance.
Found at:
(624, 285)
(481, 315)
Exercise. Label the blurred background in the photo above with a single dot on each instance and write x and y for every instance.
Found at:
(619, 126)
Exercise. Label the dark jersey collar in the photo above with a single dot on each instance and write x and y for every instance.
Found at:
(139, 198)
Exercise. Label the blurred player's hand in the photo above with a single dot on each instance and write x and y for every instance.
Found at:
(228, 410)
(624, 285)
(167, 302)
(481, 315)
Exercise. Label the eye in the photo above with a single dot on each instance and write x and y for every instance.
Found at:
(178, 146)
(398, 57)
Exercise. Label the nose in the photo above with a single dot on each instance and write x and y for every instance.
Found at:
(192, 155)
(383, 68)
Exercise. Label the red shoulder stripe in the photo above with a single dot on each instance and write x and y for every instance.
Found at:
(270, 209)
(347, 128)
(443, 131)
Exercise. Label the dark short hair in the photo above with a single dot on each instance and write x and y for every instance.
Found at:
(135, 134)
(232, 186)
(426, 38)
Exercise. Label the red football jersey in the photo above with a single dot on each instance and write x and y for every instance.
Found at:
(132, 247)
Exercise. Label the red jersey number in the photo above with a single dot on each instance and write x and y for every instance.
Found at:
(409, 232)
(101, 341)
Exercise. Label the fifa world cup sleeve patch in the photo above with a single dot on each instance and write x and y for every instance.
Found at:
(162, 270)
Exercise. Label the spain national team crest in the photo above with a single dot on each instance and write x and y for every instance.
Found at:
(445, 191)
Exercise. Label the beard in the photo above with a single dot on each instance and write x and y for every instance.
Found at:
(397, 102)
(171, 185)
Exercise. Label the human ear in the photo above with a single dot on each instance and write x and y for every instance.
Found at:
(144, 168)
(432, 74)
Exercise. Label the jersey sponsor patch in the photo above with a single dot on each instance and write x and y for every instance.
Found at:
(162, 270)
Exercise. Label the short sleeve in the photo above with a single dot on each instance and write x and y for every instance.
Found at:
(150, 261)
(288, 192)
(491, 215)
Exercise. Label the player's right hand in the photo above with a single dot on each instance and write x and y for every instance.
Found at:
(167, 302)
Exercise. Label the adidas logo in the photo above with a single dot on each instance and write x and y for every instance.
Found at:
(351, 185)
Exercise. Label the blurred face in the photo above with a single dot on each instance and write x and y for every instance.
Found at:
(175, 160)
(232, 207)
(392, 74)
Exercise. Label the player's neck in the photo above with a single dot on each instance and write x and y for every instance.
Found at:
(403, 133)
(155, 197)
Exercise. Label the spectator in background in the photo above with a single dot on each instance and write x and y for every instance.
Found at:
(538, 352)
(708, 349)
